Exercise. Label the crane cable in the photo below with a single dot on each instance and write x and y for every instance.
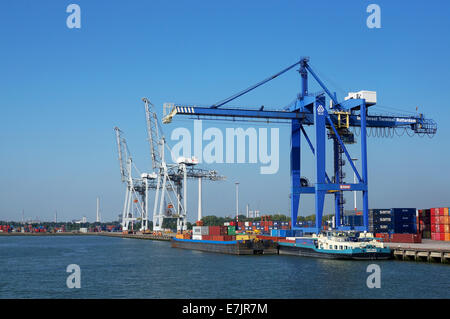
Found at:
(235, 96)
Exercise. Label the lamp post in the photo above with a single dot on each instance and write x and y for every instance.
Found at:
(237, 201)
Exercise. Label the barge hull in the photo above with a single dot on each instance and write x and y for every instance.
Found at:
(231, 247)
(309, 252)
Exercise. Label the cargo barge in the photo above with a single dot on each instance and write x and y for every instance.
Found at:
(335, 245)
(233, 247)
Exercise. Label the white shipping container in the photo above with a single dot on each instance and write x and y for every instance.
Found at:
(83, 230)
(247, 224)
(226, 224)
(197, 237)
(205, 230)
(197, 230)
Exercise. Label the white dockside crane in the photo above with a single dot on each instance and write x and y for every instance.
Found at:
(171, 178)
(136, 195)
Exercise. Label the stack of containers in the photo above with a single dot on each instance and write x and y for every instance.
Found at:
(440, 223)
(404, 220)
(424, 222)
(380, 221)
(5, 228)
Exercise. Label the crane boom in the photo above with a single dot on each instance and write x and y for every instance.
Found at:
(152, 133)
(123, 153)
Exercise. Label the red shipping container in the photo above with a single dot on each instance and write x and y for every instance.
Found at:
(384, 236)
(433, 220)
(218, 230)
(438, 236)
(223, 238)
(434, 211)
(406, 238)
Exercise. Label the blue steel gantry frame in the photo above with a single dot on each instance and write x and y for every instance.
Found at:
(310, 109)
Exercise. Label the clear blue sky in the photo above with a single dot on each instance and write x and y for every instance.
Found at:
(63, 90)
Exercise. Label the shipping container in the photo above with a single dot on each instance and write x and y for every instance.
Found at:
(218, 230)
(406, 238)
(380, 212)
(200, 230)
(232, 230)
(434, 211)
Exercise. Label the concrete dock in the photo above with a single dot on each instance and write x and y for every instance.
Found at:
(429, 250)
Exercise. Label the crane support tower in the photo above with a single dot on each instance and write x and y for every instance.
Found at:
(171, 179)
(334, 122)
(136, 195)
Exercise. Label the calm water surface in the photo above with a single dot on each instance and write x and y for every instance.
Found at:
(35, 267)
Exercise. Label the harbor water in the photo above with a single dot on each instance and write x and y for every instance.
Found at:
(35, 267)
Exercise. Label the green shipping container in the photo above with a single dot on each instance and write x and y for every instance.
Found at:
(231, 230)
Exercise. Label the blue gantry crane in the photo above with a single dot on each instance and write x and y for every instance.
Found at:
(336, 122)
